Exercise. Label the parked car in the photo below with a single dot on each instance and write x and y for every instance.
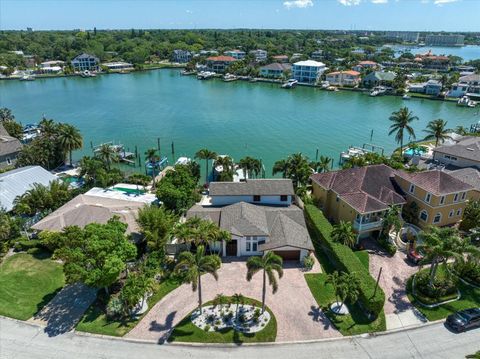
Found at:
(464, 320)
(414, 256)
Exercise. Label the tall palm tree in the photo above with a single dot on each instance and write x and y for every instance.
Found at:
(280, 166)
(107, 154)
(237, 298)
(207, 155)
(48, 128)
(227, 168)
(461, 130)
(268, 264)
(70, 139)
(344, 234)
(401, 122)
(322, 165)
(345, 286)
(152, 158)
(190, 267)
(437, 129)
(251, 166)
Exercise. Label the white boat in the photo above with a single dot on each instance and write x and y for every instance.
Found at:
(352, 152)
(205, 75)
(87, 73)
(27, 78)
(229, 77)
(290, 84)
(187, 73)
(378, 91)
(332, 88)
(466, 102)
(325, 84)
(406, 97)
(183, 161)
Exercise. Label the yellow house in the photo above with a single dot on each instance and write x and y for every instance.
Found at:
(358, 195)
(440, 197)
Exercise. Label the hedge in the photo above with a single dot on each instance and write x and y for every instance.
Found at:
(343, 258)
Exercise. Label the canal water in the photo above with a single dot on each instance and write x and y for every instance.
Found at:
(236, 118)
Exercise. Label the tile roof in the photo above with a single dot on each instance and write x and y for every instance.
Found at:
(8, 144)
(468, 147)
(221, 58)
(366, 189)
(276, 66)
(260, 187)
(435, 181)
(16, 182)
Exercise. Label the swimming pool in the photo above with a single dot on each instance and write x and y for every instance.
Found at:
(128, 190)
(410, 152)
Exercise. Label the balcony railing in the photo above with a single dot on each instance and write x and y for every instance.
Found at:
(368, 225)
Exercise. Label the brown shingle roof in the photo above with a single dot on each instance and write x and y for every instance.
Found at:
(435, 181)
(366, 189)
(252, 187)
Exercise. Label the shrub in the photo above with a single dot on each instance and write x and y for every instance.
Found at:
(206, 328)
(308, 262)
(114, 308)
(389, 247)
(469, 271)
(344, 260)
(24, 244)
(442, 285)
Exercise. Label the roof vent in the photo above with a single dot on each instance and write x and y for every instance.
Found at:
(470, 149)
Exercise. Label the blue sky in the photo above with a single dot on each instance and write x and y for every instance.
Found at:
(447, 15)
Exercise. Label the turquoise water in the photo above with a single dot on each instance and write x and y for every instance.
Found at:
(236, 118)
(411, 152)
(467, 53)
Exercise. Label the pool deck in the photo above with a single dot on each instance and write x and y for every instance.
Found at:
(146, 198)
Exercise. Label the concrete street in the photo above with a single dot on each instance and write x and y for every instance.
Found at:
(19, 340)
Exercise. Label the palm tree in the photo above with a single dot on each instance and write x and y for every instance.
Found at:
(207, 155)
(391, 219)
(345, 285)
(70, 139)
(268, 264)
(280, 166)
(401, 121)
(107, 154)
(461, 130)
(219, 300)
(437, 129)
(190, 267)
(344, 234)
(48, 128)
(237, 298)
(324, 164)
(6, 115)
(152, 158)
(251, 166)
(227, 168)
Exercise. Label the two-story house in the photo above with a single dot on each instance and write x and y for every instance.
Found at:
(379, 78)
(464, 153)
(236, 54)
(308, 71)
(219, 63)
(259, 54)
(85, 62)
(468, 85)
(260, 215)
(10, 147)
(440, 197)
(181, 56)
(358, 195)
(366, 65)
(343, 78)
(275, 70)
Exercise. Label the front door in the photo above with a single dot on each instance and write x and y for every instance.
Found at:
(231, 248)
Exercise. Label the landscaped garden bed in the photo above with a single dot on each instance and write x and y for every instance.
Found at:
(27, 283)
(224, 324)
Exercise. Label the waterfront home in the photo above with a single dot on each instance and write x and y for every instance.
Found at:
(439, 197)
(85, 62)
(317, 55)
(118, 66)
(236, 54)
(85, 209)
(465, 152)
(280, 58)
(438, 63)
(296, 56)
(308, 71)
(379, 78)
(343, 78)
(260, 55)
(275, 70)
(468, 85)
(471, 176)
(431, 87)
(208, 53)
(358, 195)
(219, 63)
(444, 40)
(10, 147)
(53, 63)
(181, 56)
(366, 65)
(260, 216)
(16, 182)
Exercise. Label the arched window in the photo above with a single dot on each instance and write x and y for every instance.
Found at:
(424, 215)
(437, 218)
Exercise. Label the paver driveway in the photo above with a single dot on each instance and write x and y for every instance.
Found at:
(298, 316)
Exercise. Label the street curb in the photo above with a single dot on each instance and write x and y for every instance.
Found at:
(233, 345)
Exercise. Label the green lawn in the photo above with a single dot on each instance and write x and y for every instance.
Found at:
(95, 320)
(356, 322)
(186, 331)
(27, 283)
(363, 257)
(470, 298)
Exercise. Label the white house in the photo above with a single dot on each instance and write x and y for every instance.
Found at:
(308, 71)
(236, 54)
(85, 62)
(467, 85)
(260, 55)
(181, 56)
(260, 216)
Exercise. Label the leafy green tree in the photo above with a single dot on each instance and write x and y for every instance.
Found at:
(401, 123)
(391, 219)
(156, 225)
(343, 233)
(471, 216)
(207, 155)
(177, 190)
(70, 139)
(7, 119)
(296, 167)
(96, 254)
(268, 265)
(190, 268)
(437, 129)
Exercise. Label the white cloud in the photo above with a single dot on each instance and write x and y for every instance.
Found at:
(349, 2)
(442, 2)
(379, 1)
(297, 3)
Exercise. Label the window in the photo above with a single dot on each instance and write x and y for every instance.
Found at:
(450, 215)
(424, 215)
(464, 195)
(412, 188)
(455, 198)
(248, 246)
(459, 212)
(284, 198)
(428, 197)
(437, 218)
(338, 199)
(9, 162)
(256, 198)
(442, 200)
(254, 246)
(261, 242)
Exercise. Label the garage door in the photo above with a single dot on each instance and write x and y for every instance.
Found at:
(289, 255)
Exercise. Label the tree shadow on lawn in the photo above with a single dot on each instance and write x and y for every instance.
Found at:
(41, 254)
(318, 315)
